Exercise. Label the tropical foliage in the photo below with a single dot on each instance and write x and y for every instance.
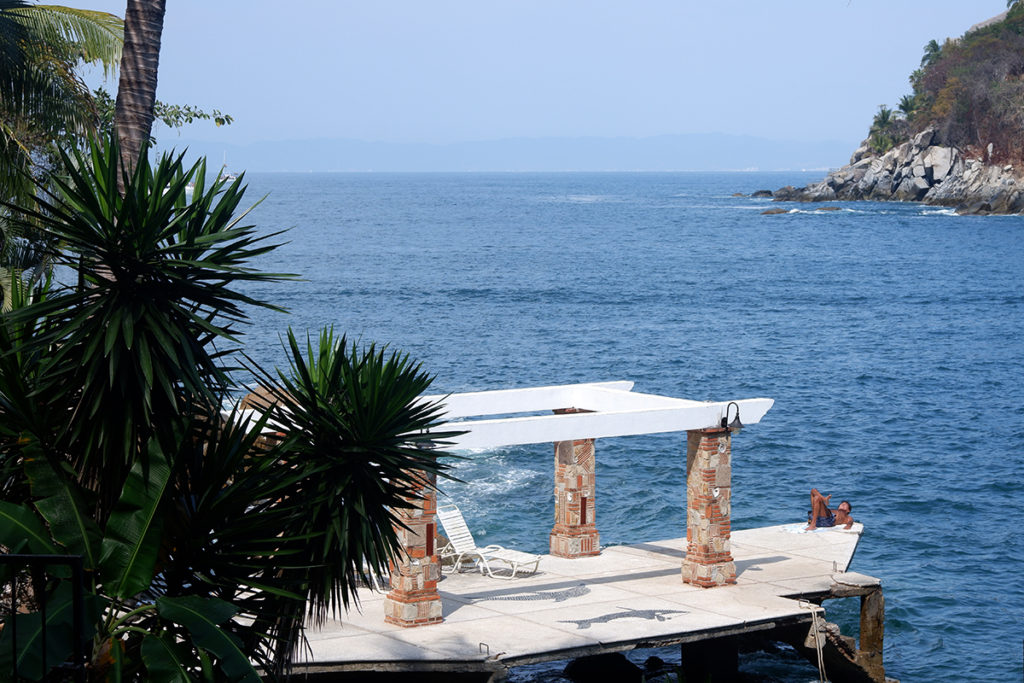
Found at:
(43, 103)
(971, 91)
(932, 52)
(908, 106)
(888, 129)
(171, 115)
(45, 107)
(206, 543)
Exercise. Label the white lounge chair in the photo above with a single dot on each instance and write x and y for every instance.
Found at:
(462, 547)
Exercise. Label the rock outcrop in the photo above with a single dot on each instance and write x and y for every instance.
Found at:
(920, 170)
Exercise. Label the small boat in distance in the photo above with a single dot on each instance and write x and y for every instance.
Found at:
(225, 174)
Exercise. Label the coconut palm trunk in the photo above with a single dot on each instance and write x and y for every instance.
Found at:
(136, 92)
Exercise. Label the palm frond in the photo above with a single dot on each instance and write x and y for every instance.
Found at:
(94, 36)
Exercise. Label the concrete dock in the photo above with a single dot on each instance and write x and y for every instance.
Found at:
(627, 597)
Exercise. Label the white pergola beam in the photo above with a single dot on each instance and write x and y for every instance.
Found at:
(532, 399)
(613, 410)
(604, 399)
(486, 434)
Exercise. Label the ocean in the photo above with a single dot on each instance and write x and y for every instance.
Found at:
(891, 337)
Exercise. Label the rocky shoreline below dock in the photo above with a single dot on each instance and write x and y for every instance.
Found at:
(919, 170)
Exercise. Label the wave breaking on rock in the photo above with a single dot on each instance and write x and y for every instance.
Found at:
(920, 170)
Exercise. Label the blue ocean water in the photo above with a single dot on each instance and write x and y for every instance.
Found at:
(891, 337)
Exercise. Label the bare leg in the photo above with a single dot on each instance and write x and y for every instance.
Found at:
(819, 507)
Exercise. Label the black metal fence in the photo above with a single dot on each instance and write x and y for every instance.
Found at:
(43, 618)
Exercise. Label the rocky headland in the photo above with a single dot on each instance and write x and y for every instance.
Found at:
(956, 140)
(919, 170)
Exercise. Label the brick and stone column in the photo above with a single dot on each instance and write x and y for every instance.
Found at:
(575, 531)
(708, 560)
(413, 599)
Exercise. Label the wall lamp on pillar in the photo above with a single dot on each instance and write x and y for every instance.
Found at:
(735, 425)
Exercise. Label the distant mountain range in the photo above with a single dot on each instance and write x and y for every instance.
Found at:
(695, 152)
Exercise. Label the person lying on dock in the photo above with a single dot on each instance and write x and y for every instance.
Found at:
(821, 516)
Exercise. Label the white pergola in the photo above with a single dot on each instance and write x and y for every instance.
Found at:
(614, 410)
(572, 417)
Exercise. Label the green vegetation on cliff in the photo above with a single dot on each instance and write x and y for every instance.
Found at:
(970, 90)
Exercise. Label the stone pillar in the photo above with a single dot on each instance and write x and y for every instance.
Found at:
(575, 531)
(708, 560)
(872, 634)
(413, 599)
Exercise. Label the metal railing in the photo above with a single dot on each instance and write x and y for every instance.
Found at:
(37, 572)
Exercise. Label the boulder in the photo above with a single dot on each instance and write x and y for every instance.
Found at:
(655, 665)
(920, 187)
(603, 667)
(762, 194)
(821, 193)
(862, 152)
(911, 189)
(975, 209)
(786, 194)
(837, 180)
(922, 169)
(904, 154)
(924, 138)
(939, 160)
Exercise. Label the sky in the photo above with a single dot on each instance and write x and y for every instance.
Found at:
(444, 71)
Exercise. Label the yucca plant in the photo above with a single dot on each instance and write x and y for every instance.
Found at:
(206, 546)
(355, 426)
(134, 341)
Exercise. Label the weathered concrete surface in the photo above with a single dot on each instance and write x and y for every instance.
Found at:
(627, 597)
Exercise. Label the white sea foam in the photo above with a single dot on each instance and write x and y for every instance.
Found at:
(583, 198)
(819, 212)
(589, 198)
(501, 482)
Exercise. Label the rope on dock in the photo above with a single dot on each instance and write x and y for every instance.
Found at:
(816, 629)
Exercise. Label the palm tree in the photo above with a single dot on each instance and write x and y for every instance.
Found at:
(883, 119)
(883, 135)
(136, 91)
(43, 106)
(908, 106)
(42, 100)
(932, 52)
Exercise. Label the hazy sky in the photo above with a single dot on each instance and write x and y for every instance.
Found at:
(415, 71)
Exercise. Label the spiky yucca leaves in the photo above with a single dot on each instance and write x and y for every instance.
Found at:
(131, 344)
(354, 425)
(205, 546)
(222, 545)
